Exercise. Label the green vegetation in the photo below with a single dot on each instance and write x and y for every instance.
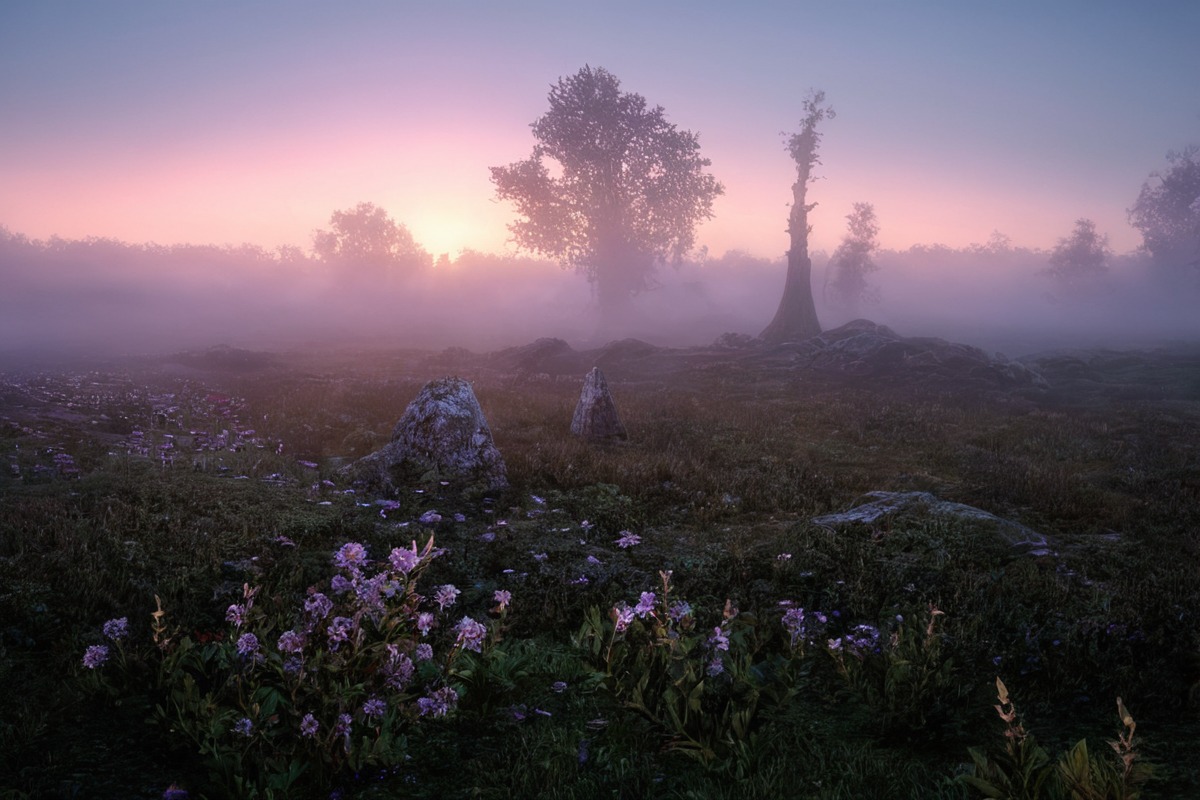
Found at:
(676, 626)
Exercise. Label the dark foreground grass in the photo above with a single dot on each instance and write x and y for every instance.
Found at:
(720, 480)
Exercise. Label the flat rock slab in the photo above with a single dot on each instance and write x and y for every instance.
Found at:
(875, 506)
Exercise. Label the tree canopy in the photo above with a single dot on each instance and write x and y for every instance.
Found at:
(1167, 212)
(853, 261)
(611, 189)
(1080, 260)
(366, 237)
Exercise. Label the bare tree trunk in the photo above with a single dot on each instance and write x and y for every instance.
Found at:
(796, 318)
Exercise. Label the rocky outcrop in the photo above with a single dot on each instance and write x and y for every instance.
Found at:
(442, 436)
(875, 507)
(596, 418)
(864, 348)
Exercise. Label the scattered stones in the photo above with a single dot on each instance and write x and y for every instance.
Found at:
(873, 507)
(442, 435)
(596, 418)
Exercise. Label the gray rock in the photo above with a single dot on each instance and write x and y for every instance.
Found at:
(442, 435)
(596, 418)
(864, 348)
(874, 506)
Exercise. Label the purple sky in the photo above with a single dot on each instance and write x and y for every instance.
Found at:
(229, 122)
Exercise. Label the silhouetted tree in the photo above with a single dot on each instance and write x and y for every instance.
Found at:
(1080, 260)
(365, 237)
(1167, 212)
(853, 260)
(612, 189)
(796, 317)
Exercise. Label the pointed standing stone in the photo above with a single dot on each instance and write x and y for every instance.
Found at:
(596, 417)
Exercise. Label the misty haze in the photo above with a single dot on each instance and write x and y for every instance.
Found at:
(516, 400)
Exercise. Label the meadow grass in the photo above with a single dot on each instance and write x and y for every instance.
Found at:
(720, 478)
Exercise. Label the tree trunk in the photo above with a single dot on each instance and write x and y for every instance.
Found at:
(796, 318)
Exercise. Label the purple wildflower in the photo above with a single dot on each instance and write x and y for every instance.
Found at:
(446, 595)
(645, 604)
(430, 517)
(247, 644)
(244, 727)
(291, 642)
(340, 584)
(718, 640)
(236, 614)
(424, 652)
(309, 726)
(558, 687)
(173, 792)
(351, 557)
(95, 656)
(622, 616)
(628, 539)
(373, 591)
(374, 707)
(425, 622)
(344, 723)
(318, 605)
(503, 597)
(862, 640)
(679, 610)
(117, 628)
(404, 559)
(398, 670)
(715, 667)
(793, 621)
(470, 634)
(339, 631)
(438, 704)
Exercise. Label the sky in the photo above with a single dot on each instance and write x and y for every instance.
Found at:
(225, 122)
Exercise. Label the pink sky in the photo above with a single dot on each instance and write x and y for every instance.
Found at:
(226, 124)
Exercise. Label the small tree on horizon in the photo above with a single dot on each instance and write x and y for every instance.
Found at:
(370, 242)
(1080, 261)
(796, 317)
(611, 189)
(853, 261)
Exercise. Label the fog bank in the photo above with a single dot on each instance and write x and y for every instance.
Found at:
(110, 298)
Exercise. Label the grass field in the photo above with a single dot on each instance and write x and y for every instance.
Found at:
(150, 483)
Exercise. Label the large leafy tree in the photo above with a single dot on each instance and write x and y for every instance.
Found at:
(1167, 212)
(611, 188)
(796, 317)
(370, 242)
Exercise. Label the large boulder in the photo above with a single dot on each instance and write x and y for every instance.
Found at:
(874, 507)
(442, 436)
(596, 418)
